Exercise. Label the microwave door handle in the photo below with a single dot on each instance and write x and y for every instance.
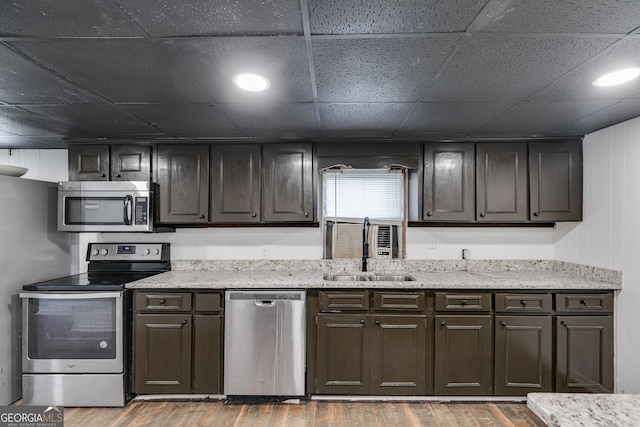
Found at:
(127, 212)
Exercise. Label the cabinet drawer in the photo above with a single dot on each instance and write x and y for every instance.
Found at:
(163, 301)
(398, 301)
(454, 301)
(584, 303)
(343, 300)
(523, 303)
(208, 301)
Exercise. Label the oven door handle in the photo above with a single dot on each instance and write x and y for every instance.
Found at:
(63, 295)
(127, 211)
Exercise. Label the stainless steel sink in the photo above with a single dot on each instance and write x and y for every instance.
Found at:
(376, 277)
(391, 278)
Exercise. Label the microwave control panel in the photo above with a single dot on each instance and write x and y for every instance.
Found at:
(127, 251)
(141, 211)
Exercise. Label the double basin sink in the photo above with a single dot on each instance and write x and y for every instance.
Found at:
(375, 277)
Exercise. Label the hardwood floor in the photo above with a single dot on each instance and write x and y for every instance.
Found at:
(311, 413)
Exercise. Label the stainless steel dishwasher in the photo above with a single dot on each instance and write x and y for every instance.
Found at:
(264, 343)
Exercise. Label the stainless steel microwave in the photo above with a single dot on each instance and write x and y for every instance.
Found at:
(103, 206)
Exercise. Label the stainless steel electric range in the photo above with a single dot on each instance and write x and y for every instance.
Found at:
(76, 343)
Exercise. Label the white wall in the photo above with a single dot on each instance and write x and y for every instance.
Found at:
(610, 230)
(43, 165)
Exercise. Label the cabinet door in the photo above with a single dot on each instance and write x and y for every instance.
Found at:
(88, 162)
(398, 355)
(523, 355)
(207, 353)
(555, 181)
(235, 183)
(463, 355)
(288, 183)
(448, 182)
(342, 354)
(130, 163)
(501, 182)
(162, 353)
(183, 178)
(584, 354)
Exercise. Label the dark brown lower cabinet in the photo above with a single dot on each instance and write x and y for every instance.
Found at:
(371, 354)
(584, 354)
(463, 355)
(523, 355)
(177, 344)
(162, 353)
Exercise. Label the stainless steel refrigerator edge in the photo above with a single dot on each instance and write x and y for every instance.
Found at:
(31, 250)
(264, 349)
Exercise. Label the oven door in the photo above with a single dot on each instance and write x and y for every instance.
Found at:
(72, 332)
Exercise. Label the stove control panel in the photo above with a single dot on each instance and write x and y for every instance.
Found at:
(128, 252)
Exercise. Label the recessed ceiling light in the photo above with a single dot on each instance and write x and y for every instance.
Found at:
(617, 77)
(251, 82)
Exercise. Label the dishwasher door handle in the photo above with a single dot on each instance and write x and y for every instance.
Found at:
(264, 303)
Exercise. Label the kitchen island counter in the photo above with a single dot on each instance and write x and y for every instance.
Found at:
(511, 275)
(583, 409)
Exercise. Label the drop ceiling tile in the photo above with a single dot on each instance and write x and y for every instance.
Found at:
(451, 117)
(222, 17)
(577, 84)
(553, 16)
(186, 120)
(121, 70)
(23, 82)
(611, 115)
(510, 68)
(400, 16)
(349, 119)
(211, 62)
(65, 18)
(16, 121)
(378, 69)
(266, 120)
(100, 120)
(530, 118)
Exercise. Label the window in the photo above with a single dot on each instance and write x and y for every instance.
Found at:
(358, 193)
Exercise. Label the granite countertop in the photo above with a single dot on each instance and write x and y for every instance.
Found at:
(587, 410)
(287, 274)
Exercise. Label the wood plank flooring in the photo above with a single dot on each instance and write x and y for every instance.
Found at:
(311, 413)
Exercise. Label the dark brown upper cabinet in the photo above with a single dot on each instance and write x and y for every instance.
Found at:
(96, 162)
(235, 183)
(288, 183)
(183, 180)
(555, 174)
(448, 193)
(501, 182)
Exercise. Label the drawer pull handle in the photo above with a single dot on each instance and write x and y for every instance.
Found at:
(463, 302)
(162, 301)
(583, 302)
(523, 302)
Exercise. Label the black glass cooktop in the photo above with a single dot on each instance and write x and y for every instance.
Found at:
(92, 281)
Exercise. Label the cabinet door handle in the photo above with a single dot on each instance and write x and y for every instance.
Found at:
(481, 214)
(102, 175)
(184, 322)
(378, 322)
(362, 322)
(429, 213)
(306, 214)
(562, 322)
(536, 214)
(443, 323)
(118, 175)
(253, 215)
(503, 324)
(201, 216)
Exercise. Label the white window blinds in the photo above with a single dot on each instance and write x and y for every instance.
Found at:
(359, 193)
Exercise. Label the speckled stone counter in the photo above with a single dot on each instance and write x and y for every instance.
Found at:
(428, 274)
(573, 409)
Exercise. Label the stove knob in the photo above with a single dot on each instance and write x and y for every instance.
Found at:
(157, 251)
(104, 251)
(95, 252)
(147, 251)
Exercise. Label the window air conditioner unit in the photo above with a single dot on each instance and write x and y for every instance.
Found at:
(344, 240)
